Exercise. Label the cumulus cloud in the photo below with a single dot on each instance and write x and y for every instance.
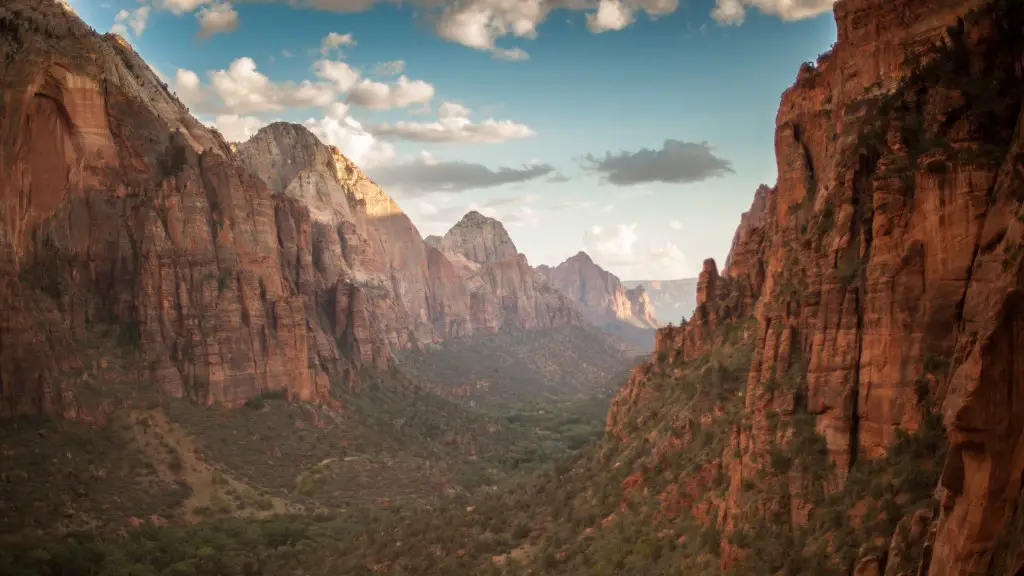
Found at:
(610, 15)
(335, 41)
(340, 73)
(480, 23)
(454, 125)
(216, 18)
(676, 162)
(380, 96)
(733, 12)
(188, 88)
(134, 19)
(621, 249)
(180, 7)
(389, 68)
(237, 128)
(340, 129)
(425, 176)
(243, 89)
(675, 224)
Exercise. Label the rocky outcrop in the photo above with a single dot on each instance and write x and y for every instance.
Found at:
(671, 299)
(505, 290)
(599, 293)
(884, 276)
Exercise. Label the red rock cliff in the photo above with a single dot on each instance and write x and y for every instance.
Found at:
(884, 271)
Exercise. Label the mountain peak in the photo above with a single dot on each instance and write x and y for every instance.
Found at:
(474, 218)
(581, 256)
(479, 238)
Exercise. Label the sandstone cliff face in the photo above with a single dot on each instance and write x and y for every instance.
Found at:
(884, 274)
(122, 214)
(599, 293)
(505, 290)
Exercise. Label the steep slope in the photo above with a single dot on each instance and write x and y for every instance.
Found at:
(505, 290)
(672, 300)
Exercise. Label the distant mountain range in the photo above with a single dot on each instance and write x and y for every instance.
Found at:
(672, 300)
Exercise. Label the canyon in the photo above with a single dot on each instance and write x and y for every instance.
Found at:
(845, 397)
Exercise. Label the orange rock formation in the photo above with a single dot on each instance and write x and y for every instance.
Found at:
(885, 267)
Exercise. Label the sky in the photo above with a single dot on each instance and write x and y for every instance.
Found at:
(635, 130)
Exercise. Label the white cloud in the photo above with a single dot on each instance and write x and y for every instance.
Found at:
(614, 246)
(216, 18)
(621, 250)
(733, 12)
(401, 94)
(340, 129)
(180, 7)
(338, 72)
(610, 15)
(607, 208)
(188, 88)
(245, 90)
(134, 19)
(334, 41)
(675, 225)
(454, 125)
(237, 128)
(389, 68)
(479, 23)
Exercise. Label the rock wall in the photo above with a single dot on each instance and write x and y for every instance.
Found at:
(884, 272)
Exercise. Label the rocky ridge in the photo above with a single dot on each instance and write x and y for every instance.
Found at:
(879, 284)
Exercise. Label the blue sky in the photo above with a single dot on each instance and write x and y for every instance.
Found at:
(636, 130)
